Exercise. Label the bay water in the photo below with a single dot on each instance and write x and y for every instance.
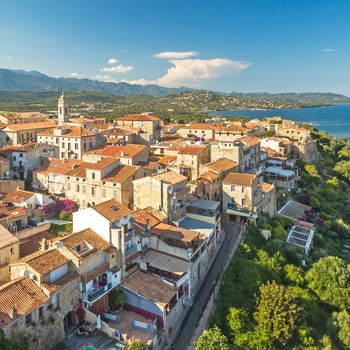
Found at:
(335, 120)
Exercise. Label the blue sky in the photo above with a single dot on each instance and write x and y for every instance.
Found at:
(220, 45)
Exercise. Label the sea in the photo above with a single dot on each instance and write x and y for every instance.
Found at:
(335, 120)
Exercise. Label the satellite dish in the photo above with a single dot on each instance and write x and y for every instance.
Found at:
(7, 172)
(148, 227)
(170, 191)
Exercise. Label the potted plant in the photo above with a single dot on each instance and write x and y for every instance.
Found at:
(117, 299)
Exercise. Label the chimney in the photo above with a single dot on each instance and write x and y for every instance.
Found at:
(43, 244)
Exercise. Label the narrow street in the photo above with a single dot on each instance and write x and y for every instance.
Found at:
(195, 312)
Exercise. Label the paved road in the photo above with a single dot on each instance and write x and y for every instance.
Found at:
(196, 310)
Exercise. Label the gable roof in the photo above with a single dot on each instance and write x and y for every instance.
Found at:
(44, 261)
(221, 164)
(6, 238)
(85, 236)
(199, 127)
(121, 173)
(23, 295)
(59, 166)
(15, 196)
(71, 131)
(112, 210)
(192, 150)
(240, 179)
(32, 126)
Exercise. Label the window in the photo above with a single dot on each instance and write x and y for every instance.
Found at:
(75, 287)
(68, 186)
(115, 194)
(40, 312)
(62, 144)
(29, 319)
(103, 192)
(56, 301)
(233, 188)
(93, 190)
(76, 146)
(21, 155)
(77, 188)
(83, 189)
(93, 175)
(242, 189)
(14, 158)
(243, 201)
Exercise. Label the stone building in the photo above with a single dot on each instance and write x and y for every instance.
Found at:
(9, 252)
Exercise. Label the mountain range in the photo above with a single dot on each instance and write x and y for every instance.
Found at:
(20, 80)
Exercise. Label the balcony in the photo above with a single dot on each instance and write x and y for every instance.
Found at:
(96, 292)
(130, 251)
(87, 277)
(237, 208)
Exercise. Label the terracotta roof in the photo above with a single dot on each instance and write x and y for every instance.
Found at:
(44, 261)
(31, 126)
(61, 282)
(232, 128)
(118, 151)
(200, 127)
(141, 216)
(23, 295)
(11, 212)
(58, 166)
(192, 150)
(148, 165)
(138, 117)
(15, 196)
(266, 187)
(209, 176)
(174, 232)
(72, 131)
(80, 170)
(32, 244)
(251, 141)
(6, 238)
(118, 131)
(121, 173)
(170, 177)
(150, 287)
(112, 210)
(88, 236)
(157, 214)
(14, 148)
(240, 179)
(222, 164)
(166, 160)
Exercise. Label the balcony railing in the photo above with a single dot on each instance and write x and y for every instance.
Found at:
(237, 208)
(130, 251)
(94, 293)
(87, 277)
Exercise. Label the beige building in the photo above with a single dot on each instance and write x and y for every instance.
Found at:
(149, 127)
(269, 205)
(232, 131)
(242, 197)
(165, 191)
(9, 252)
(198, 131)
(127, 154)
(55, 275)
(294, 133)
(22, 117)
(278, 144)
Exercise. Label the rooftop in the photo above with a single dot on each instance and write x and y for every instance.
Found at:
(240, 179)
(150, 287)
(294, 210)
(112, 210)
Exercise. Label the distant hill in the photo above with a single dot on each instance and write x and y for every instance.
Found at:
(19, 80)
(316, 97)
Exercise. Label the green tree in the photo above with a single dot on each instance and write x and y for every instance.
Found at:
(212, 339)
(278, 314)
(340, 323)
(329, 278)
(136, 345)
(343, 168)
(7, 344)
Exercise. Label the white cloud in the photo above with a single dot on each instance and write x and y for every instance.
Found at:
(117, 69)
(191, 72)
(140, 81)
(106, 78)
(328, 50)
(176, 55)
(112, 61)
(76, 75)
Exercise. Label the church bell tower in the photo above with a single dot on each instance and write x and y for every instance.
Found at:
(63, 110)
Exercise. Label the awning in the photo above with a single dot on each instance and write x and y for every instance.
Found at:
(236, 212)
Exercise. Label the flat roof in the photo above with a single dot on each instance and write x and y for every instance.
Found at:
(205, 228)
(165, 262)
(294, 210)
(205, 204)
(279, 171)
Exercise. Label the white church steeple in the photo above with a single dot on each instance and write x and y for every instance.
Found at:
(63, 110)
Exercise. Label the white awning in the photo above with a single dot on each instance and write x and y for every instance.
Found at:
(236, 212)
